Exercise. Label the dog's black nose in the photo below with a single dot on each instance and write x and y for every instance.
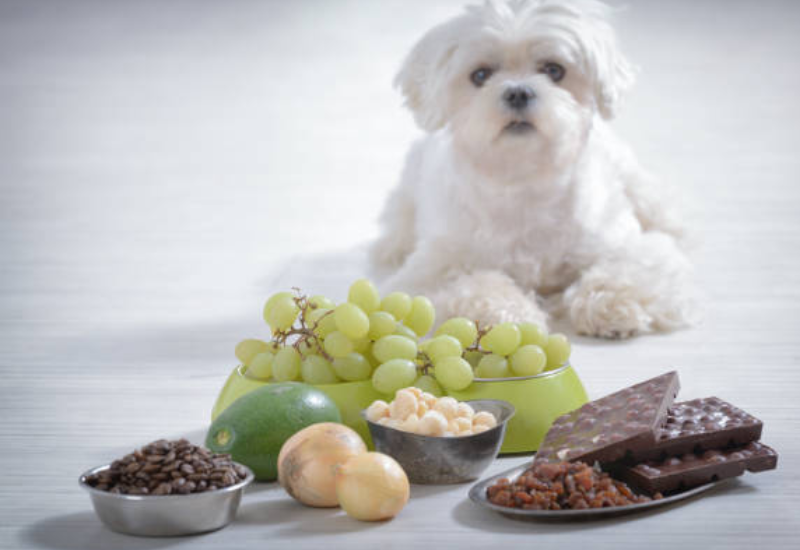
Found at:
(518, 97)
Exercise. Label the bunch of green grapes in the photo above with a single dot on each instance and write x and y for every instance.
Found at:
(369, 337)
(509, 349)
(320, 342)
(460, 352)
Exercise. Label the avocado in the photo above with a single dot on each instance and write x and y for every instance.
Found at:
(255, 426)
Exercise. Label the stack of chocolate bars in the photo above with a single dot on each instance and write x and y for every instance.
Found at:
(642, 437)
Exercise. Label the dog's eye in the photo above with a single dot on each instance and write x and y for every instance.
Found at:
(479, 76)
(555, 71)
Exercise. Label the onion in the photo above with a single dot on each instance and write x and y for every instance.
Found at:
(372, 487)
(308, 460)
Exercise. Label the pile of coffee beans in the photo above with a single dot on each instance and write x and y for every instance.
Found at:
(168, 467)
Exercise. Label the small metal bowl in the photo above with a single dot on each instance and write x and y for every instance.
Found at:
(429, 460)
(166, 515)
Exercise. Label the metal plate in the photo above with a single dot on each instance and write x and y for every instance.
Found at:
(478, 495)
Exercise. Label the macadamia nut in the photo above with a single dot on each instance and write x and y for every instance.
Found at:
(448, 406)
(433, 423)
(404, 404)
(484, 418)
(465, 411)
(377, 410)
(419, 412)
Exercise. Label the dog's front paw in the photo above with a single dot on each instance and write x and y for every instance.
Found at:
(492, 311)
(490, 298)
(608, 311)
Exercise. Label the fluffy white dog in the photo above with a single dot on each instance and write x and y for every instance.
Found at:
(520, 200)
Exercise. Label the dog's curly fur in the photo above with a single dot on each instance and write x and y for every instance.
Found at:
(498, 221)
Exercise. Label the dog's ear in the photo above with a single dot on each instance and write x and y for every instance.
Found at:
(423, 77)
(613, 74)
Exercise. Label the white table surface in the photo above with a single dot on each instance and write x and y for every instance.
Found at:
(165, 166)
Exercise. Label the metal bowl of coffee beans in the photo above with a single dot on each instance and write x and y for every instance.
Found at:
(167, 488)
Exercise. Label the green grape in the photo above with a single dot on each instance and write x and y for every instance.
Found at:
(337, 344)
(364, 294)
(442, 346)
(324, 321)
(319, 301)
(397, 303)
(493, 366)
(274, 347)
(557, 350)
(286, 365)
(421, 317)
(260, 366)
(353, 367)
(402, 330)
(351, 320)
(428, 383)
(282, 313)
(306, 347)
(394, 375)
(528, 360)
(271, 302)
(247, 349)
(381, 323)
(473, 357)
(501, 339)
(453, 373)
(316, 370)
(394, 347)
(362, 345)
(461, 328)
(370, 356)
(532, 334)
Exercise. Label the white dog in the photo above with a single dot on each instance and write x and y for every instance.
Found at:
(520, 200)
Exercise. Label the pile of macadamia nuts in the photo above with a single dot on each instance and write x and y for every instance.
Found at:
(422, 413)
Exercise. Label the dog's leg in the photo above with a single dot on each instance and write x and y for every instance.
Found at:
(456, 289)
(490, 297)
(654, 204)
(398, 222)
(397, 240)
(642, 289)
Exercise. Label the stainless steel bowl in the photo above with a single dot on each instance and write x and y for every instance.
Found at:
(166, 515)
(441, 460)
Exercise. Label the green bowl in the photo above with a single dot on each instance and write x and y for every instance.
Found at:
(538, 399)
(350, 397)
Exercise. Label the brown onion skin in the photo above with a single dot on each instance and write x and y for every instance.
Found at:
(308, 461)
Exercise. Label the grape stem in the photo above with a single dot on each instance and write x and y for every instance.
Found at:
(476, 346)
(305, 334)
(426, 364)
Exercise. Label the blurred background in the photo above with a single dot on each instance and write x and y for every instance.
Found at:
(165, 166)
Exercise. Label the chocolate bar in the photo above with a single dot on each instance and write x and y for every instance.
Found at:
(606, 429)
(692, 469)
(699, 425)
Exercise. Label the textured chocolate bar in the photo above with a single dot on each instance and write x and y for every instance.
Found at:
(606, 429)
(699, 425)
(691, 470)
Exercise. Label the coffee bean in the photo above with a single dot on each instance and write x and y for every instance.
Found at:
(163, 489)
